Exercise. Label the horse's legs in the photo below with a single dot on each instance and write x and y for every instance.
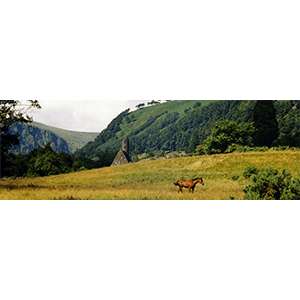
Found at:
(193, 188)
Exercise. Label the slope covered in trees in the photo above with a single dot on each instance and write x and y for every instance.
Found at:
(182, 125)
(141, 126)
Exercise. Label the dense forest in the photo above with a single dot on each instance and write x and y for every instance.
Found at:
(171, 131)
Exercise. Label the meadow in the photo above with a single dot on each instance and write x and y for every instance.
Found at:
(153, 180)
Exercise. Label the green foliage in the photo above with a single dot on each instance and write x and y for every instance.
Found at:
(151, 154)
(197, 105)
(288, 117)
(171, 126)
(82, 169)
(225, 133)
(194, 142)
(270, 184)
(108, 135)
(265, 122)
(249, 171)
(240, 149)
(235, 177)
(44, 161)
(148, 130)
(12, 111)
(135, 158)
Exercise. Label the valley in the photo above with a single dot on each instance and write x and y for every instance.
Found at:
(170, 141)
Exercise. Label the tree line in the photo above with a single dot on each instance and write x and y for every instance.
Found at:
(44, 161)
(264, 130)
(151, 103)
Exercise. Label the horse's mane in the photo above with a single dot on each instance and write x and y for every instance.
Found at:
(197, 178)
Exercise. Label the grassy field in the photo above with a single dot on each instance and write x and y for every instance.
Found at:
(153, 180)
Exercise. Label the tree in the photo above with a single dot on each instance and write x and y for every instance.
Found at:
(265, 122)
(140, 105)
(225, 133)
(194, 142)
(13, 111)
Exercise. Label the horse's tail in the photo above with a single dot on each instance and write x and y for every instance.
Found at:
(176, 184)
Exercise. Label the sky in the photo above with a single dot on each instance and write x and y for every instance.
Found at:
(82, 115)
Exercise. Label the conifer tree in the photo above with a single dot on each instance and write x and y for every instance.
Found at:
(194, 142)
(265, 123)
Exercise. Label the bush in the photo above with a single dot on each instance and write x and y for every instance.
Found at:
(235, 177)
(82, 169)
(240, 148)
(270, 184)
(249, 171)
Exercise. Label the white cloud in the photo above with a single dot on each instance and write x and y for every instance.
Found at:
(82, 115)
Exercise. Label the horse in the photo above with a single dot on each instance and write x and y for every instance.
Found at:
(189, 184)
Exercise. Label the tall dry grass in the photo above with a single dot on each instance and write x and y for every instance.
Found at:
(153, 180)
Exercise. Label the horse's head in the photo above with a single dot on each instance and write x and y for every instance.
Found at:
(196, 180)
(200, 180)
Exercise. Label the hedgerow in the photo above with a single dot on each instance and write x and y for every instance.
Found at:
(240, 148)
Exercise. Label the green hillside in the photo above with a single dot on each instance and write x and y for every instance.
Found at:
(138, 118)
(140, 124)
(172, 126)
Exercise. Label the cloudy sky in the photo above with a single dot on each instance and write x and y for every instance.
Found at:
(82, 115)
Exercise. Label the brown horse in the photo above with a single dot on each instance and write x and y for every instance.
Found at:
(189, 184)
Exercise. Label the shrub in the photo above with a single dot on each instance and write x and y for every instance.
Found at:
(82, 169)
(235, 177)
(240, 148)
(249, 171)
(234, 148)
(270, 184)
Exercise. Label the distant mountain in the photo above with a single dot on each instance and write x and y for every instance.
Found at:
(38, 134)
(174, 125)
(75, 139)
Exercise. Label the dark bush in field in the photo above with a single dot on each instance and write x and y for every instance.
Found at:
(270, 184)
